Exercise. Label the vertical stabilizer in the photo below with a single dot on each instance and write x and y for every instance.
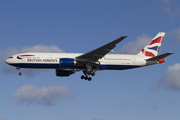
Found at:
(152, 48)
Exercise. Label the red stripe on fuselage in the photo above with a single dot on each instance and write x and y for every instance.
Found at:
(25, 55)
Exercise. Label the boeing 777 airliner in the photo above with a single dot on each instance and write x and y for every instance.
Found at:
(95, 60)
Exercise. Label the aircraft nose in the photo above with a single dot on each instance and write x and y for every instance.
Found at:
(7, 61)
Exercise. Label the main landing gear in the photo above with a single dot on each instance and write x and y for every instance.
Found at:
(85, 76)
(19, 69)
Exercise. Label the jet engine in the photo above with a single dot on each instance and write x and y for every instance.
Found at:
(67, 62)
(162, 60)
(63, 73)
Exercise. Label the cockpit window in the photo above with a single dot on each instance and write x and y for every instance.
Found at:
(11, 57)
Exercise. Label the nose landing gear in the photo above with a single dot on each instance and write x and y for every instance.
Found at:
(19, 69)
(20, 73)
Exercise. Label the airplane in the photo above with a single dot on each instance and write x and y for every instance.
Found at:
(67, 64)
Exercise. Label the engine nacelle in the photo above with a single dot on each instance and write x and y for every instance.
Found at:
(67, 62)
(63, 73)
(162, 60)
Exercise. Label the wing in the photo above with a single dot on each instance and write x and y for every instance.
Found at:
(100, 52)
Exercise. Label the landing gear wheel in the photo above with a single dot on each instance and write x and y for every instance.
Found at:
(82, 77)
(19, 69)
(92, 73)
(20, 73)
(89, 79)
(86, 78)
(88, 73)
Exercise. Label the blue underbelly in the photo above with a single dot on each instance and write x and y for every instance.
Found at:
(55, 66)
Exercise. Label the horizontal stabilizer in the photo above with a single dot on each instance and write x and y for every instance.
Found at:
(159, 57)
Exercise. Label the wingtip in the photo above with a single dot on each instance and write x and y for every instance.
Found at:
(124, 36)
(170, 52)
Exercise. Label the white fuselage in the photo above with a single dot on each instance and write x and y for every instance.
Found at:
(67, 64)
(52, 61)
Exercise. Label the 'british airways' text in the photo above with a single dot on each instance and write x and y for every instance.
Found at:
(42, 60)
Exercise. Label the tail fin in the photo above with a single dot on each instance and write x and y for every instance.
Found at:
(152, 49)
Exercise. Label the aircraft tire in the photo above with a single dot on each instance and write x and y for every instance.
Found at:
(92, 73)
(89, 79)
(86, 78)
(82, 77)
(20, 73)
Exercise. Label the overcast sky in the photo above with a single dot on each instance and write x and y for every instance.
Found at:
(149, 93)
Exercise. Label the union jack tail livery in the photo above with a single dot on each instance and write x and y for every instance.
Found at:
(152, 49)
